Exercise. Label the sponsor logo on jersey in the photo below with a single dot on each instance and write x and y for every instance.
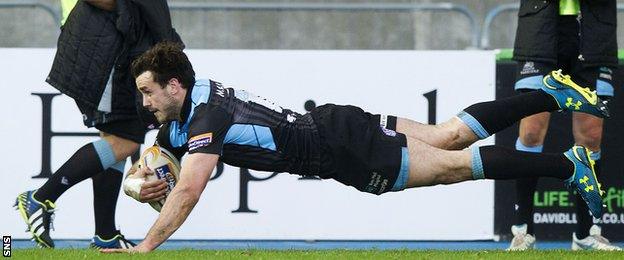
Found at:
(198, 141)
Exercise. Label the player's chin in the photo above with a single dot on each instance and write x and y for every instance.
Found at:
(161, 118)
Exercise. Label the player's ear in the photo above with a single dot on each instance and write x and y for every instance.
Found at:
(175, 85)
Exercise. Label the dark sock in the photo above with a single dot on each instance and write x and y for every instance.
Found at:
(525, 189)
(583, 218)
(488, 118)
(501, 163)
(82, 165)
(106, 187)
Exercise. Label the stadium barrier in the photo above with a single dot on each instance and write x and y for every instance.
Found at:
(55, 12)
(495, 12)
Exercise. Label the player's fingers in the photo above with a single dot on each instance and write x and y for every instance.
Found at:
(153, 195)
(154, 199)
(157, 196)
(154, 184)
(150, 196)
(144, 171)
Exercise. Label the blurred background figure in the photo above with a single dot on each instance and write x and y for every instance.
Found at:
(578, 36)
(98, 41)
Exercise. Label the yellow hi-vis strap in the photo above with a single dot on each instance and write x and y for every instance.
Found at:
(66, 7)
(569, 7)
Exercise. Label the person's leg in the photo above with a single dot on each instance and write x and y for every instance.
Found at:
(37, 206)
(106, 186)
(450, 135)
(89, 160)
(430, 166)
(125, 137)
(478, 121)
(587, 131)
(483, 119)
(531, 133)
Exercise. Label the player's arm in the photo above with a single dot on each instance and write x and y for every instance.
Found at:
(196, 171)
(107, 5)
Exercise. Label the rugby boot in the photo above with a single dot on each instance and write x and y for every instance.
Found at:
(521, 240)
(572, 97)
(595, 241)
(584, 179)
(118, 241)
(38, 217)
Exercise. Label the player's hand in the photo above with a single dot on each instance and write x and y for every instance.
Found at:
(153, 190)
(140, 248)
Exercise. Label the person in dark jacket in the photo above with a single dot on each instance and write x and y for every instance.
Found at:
(578, 36)
(97, 44)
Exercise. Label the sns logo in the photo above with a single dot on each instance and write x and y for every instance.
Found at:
(570, 103)
(6, 246)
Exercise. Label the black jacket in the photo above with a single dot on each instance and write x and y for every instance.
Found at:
(536, 35)
(94, 41)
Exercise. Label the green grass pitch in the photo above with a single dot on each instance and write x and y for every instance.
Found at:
(315, 254)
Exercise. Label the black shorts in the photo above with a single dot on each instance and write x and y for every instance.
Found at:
(125, 125)
(529, 74)
(360, 149)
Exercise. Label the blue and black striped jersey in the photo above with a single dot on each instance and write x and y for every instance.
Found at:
(245, 130)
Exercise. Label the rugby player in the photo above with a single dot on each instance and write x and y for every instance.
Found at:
(372, 153)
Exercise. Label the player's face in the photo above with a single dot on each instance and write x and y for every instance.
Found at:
(157, 99)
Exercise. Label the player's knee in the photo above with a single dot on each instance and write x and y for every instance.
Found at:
(453, 138)
(532, 139)
(122, 147)
(454, 135)
(590, 137)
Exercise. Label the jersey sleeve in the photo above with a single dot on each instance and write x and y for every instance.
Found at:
(207, 129)
(163, 140)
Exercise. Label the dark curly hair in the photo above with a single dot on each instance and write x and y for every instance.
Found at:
(165, 60)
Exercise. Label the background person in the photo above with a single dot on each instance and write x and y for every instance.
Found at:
(578, 36)
(98, 41)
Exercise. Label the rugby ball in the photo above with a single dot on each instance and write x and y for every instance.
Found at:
(165, 166)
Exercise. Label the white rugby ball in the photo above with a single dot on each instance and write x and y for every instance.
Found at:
(165, 166)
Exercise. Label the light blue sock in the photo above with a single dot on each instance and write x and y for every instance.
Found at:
(105, 152)
(477, 164)
(531, 149)
(119, 166)
(473, 124)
